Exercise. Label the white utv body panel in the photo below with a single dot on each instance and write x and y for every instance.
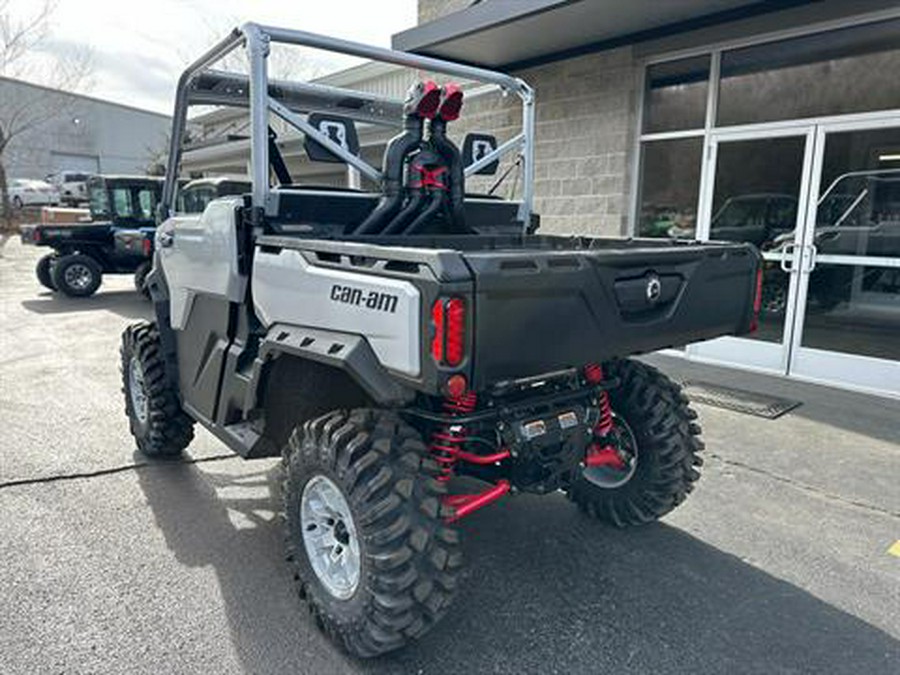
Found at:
(202, 257)
(386, 312)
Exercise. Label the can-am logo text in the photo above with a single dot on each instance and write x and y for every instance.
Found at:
(382, 302)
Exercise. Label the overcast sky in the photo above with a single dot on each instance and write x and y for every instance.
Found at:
(141, 47)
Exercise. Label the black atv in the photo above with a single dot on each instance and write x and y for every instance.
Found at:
(119, 237)
(84, 252)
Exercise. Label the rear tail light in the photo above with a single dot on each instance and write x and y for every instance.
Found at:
(456, 331)
(448, 319)
(148, 246)
(757, 300)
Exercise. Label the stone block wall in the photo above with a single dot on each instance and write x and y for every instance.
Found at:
(586, 124)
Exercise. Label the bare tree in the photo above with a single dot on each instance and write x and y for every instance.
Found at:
(23, 56)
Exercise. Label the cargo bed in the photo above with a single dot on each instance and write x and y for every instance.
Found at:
(542, 303)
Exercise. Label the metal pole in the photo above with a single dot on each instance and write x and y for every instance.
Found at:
(409, 60)
(311, 132)
(354, 179)
(179, 116)
(516, 142)
(258, 50)
(527, 94)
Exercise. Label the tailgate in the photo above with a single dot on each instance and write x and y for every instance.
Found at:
(538, 310)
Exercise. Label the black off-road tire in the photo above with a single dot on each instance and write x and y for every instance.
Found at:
(165, 430)
(140, 278)
(410, 559)
(43, 271)
(85, 263)
(663, 424)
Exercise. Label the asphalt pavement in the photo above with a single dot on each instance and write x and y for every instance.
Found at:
(778, 563)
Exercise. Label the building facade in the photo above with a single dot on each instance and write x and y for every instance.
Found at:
(773, 123)
(78, 133)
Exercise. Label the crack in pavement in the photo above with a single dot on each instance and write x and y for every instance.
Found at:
(112, 470)
(805, 486)
(215, 458)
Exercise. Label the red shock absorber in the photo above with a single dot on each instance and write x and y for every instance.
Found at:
(593, 373)
(599, 454)
(447, 439)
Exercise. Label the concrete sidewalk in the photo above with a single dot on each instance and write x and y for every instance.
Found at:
(778, 563)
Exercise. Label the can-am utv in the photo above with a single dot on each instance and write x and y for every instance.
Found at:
(386, 342)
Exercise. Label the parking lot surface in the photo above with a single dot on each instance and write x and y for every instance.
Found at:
(778, 563)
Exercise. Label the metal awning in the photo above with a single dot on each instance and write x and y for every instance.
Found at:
(518, 33)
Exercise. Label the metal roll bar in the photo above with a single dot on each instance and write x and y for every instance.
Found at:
(200, 86)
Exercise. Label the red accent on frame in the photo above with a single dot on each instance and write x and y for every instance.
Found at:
(463, 505)
(472, 458)
(593, 373)
(607, 456)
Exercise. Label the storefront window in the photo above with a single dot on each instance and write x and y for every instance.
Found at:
(854, 309)
(859, 201)
(670, 182)
(843, 71)
(676, 95)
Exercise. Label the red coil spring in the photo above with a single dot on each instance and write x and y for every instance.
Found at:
(447, 439)
(593, 373)
(605, 425)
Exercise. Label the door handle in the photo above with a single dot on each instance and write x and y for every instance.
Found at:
(811, 265)
(787, 252)
(165, 239)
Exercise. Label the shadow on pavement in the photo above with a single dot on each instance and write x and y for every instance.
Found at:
(547, 590)
(127, 303)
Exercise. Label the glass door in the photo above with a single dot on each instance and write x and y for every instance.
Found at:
(848, 317)
(755, 189)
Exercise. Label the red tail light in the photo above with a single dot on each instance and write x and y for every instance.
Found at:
(148, 246)
(456, 331)
(448, 317)
(757, 300)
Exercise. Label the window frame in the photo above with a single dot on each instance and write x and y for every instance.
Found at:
(714, 51)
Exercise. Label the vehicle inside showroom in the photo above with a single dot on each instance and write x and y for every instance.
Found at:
(792, 144)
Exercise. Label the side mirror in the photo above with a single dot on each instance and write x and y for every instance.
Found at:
(476, 146)
(339, 129)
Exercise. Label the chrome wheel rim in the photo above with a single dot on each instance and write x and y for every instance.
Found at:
(78, 276)
(329, 537)
(623, 439)
(136, 390)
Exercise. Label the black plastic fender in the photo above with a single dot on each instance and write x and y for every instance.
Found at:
(348, 352)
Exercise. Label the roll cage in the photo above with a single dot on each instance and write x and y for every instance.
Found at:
(200, 85)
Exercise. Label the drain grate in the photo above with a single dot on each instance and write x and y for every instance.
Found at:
(738, 400)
